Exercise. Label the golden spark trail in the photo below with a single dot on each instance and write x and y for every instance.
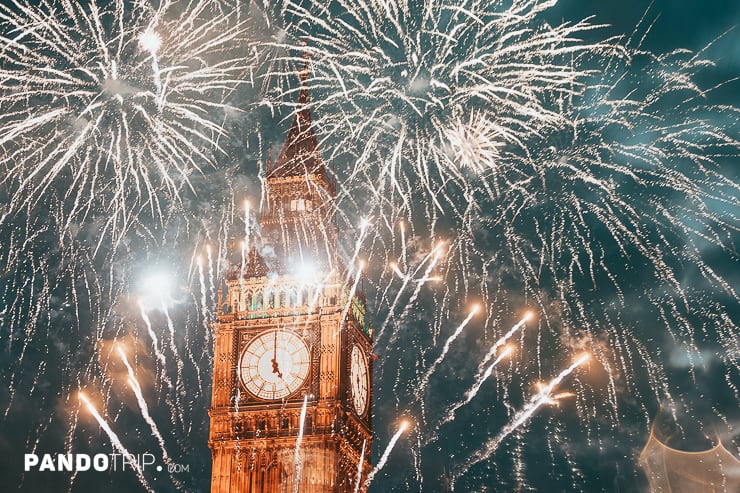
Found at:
(446, 348)
(470, 394)
(364, 225)
(482, 375)
(544, 396)
(436, 255)
(387, 453)
(501, 342)
(394, 268)
(114, 440)
(474, 390)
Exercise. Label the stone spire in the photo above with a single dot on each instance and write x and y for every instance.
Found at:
(299, 155)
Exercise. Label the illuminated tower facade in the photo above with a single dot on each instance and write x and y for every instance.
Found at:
(292, 375)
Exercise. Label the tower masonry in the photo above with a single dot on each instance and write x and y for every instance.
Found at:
(291, 401)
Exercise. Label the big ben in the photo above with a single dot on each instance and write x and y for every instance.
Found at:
(292, 376)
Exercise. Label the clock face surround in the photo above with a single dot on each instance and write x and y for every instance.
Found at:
(275, 364)
(359, 381)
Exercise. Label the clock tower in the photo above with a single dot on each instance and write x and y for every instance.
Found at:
(292, 377)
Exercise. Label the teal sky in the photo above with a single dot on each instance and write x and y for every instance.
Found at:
(689, 24)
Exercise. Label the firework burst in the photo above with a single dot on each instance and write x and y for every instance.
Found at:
(423, 93)
(111, 109)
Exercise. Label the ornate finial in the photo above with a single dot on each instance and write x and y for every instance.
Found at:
(306, 70)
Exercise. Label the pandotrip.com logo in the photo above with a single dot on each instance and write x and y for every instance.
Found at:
(98, 462)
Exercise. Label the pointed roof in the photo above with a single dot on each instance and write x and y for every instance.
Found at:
(300, 152)
(255, 264)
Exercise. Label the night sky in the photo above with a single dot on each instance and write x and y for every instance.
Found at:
(50, 349)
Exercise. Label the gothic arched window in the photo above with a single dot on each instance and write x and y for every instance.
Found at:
(293, 297)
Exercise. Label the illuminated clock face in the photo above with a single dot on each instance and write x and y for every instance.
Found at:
(274, 365)
(359, 381)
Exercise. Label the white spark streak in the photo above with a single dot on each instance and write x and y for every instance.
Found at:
(136, 387)
(358, 479)
(115, 441)
(153, 336)
(298, 464)
(446, 348)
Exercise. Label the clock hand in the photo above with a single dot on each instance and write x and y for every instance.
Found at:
(275, 367)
